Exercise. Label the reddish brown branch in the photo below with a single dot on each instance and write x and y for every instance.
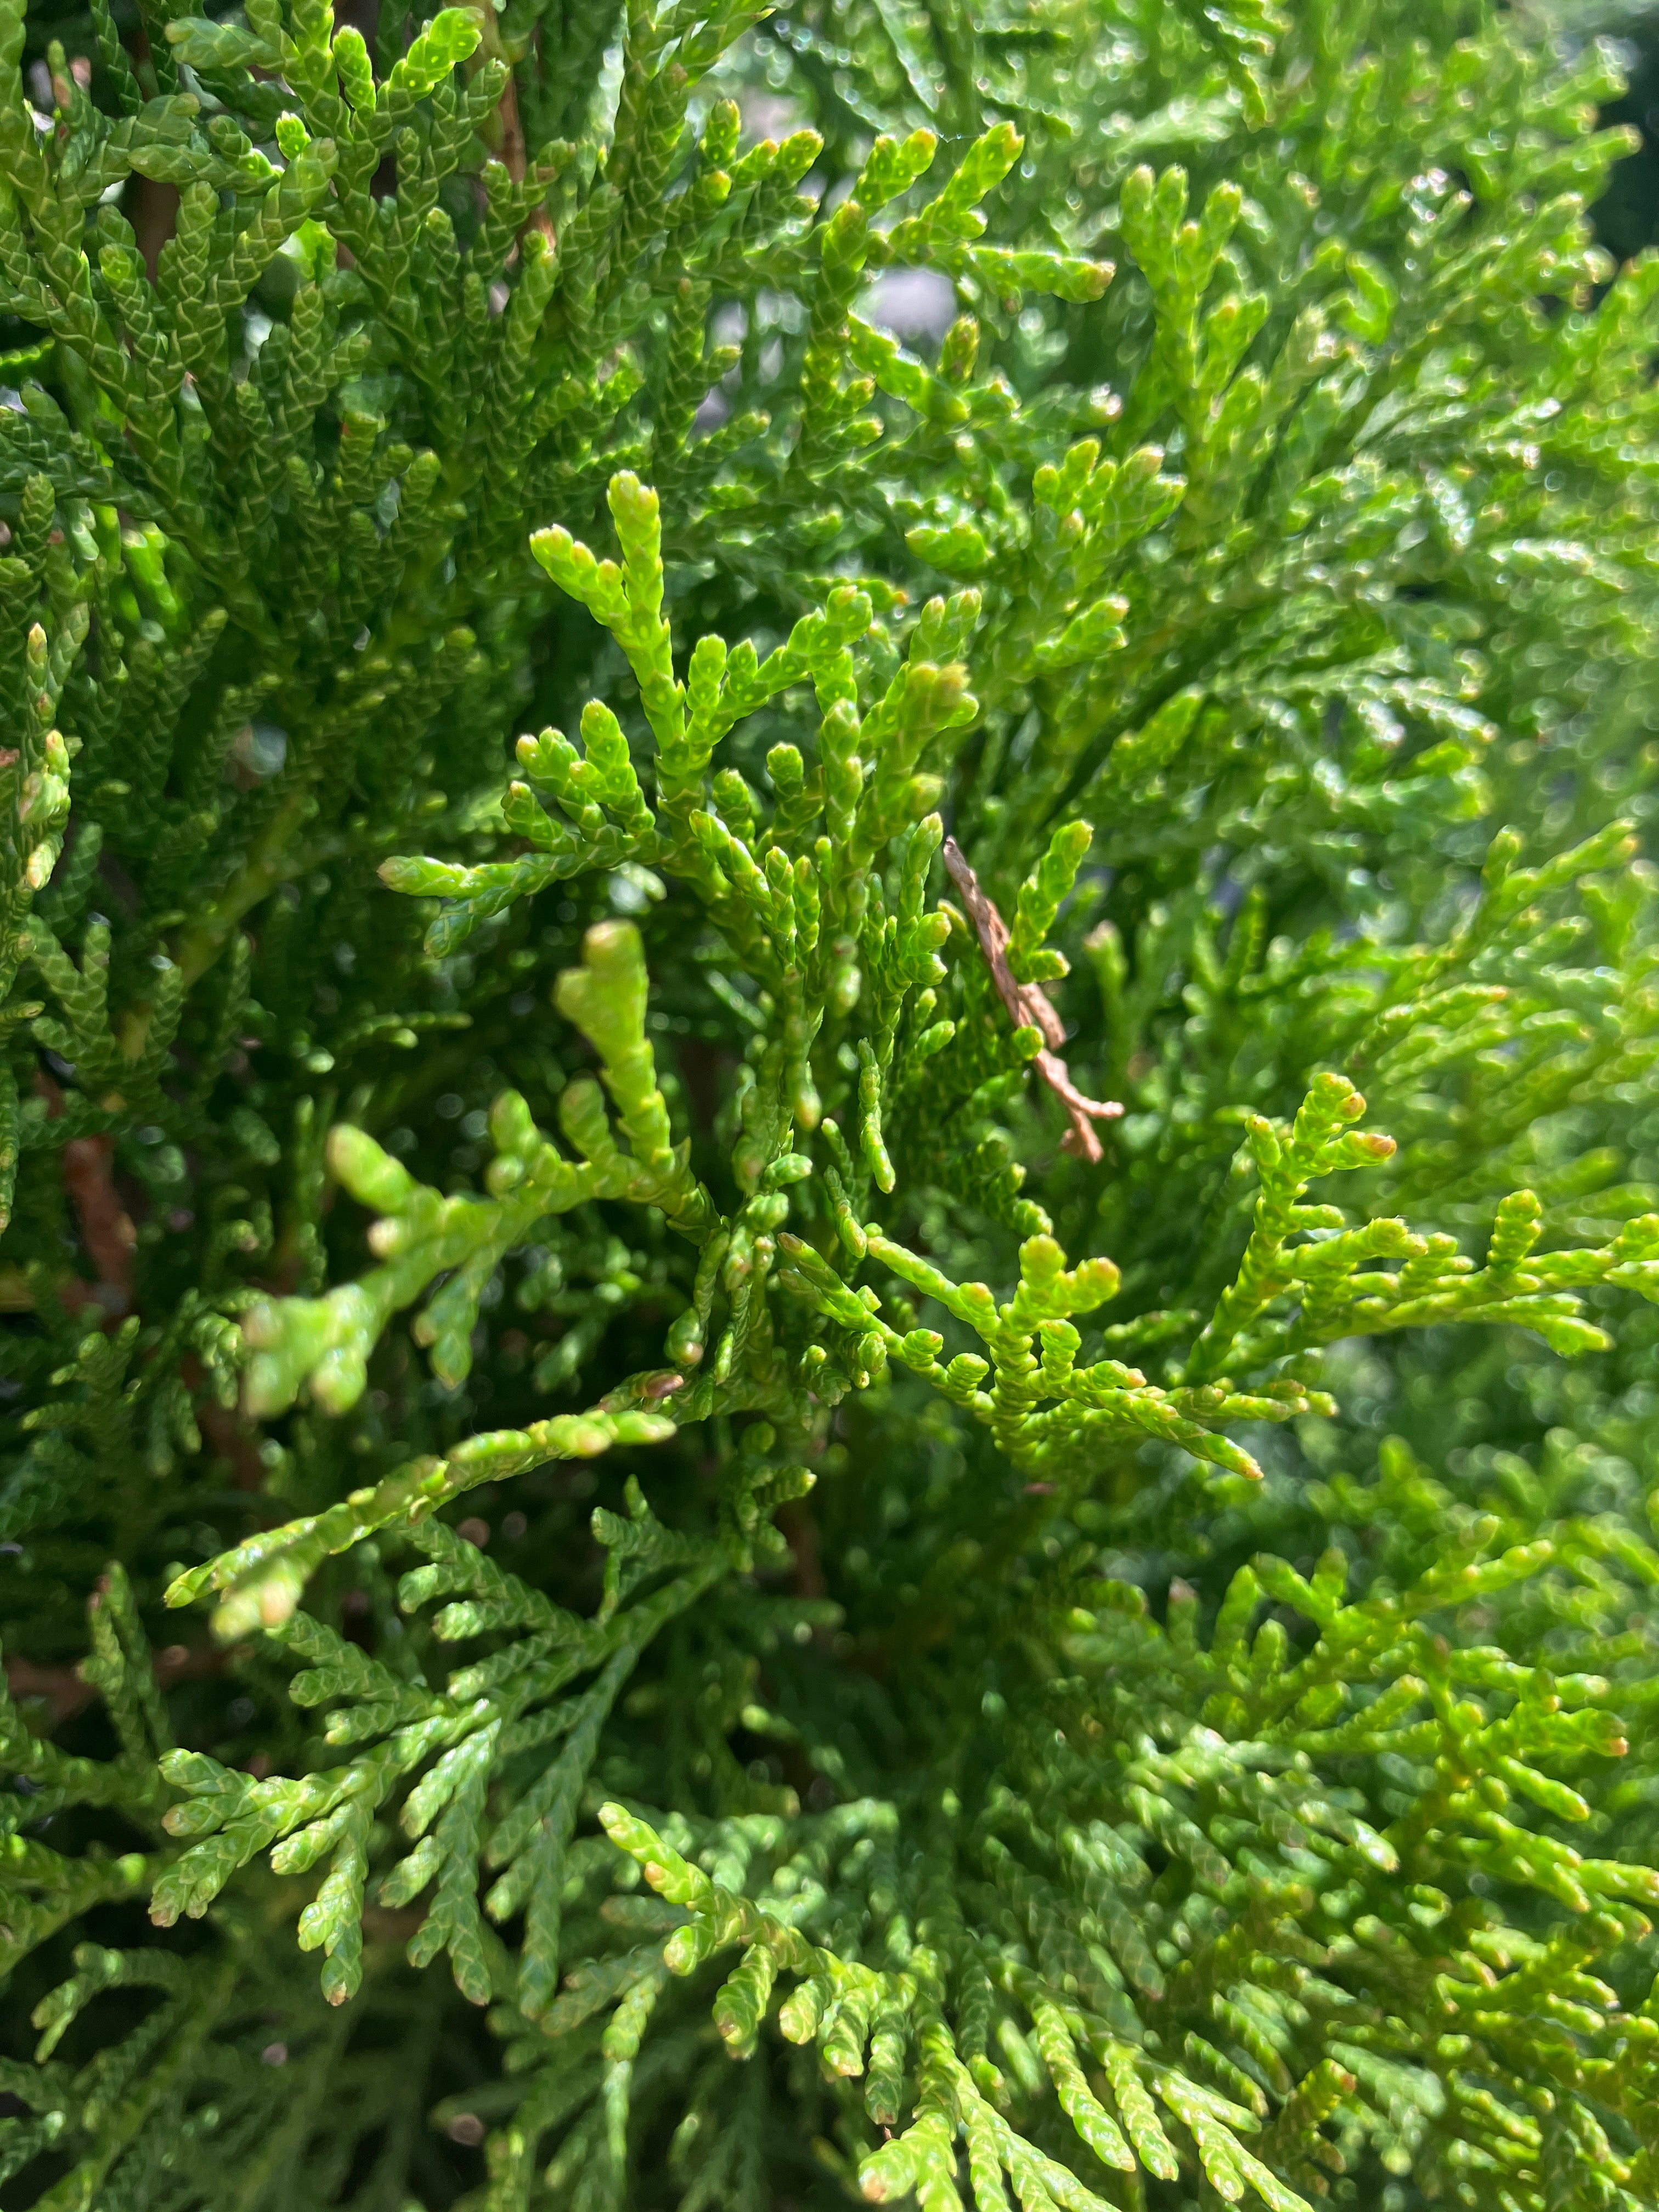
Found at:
(1029, 1007)
(66, 1693)
(107, 1227)
(515, 155)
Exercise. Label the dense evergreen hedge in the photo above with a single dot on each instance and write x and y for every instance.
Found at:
(858, 1285)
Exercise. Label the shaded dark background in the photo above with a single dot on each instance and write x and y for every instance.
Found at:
(1627, 218)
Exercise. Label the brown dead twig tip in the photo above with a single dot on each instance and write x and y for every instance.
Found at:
(1029, 1007)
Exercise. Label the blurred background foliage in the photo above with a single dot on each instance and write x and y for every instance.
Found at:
(1627, 218)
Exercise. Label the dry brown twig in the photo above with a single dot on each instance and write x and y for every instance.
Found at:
(1029, 1007)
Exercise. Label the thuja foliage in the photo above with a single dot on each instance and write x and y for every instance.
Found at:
(826, 1119)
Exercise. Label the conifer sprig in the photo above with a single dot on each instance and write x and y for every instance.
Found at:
(746, 751)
